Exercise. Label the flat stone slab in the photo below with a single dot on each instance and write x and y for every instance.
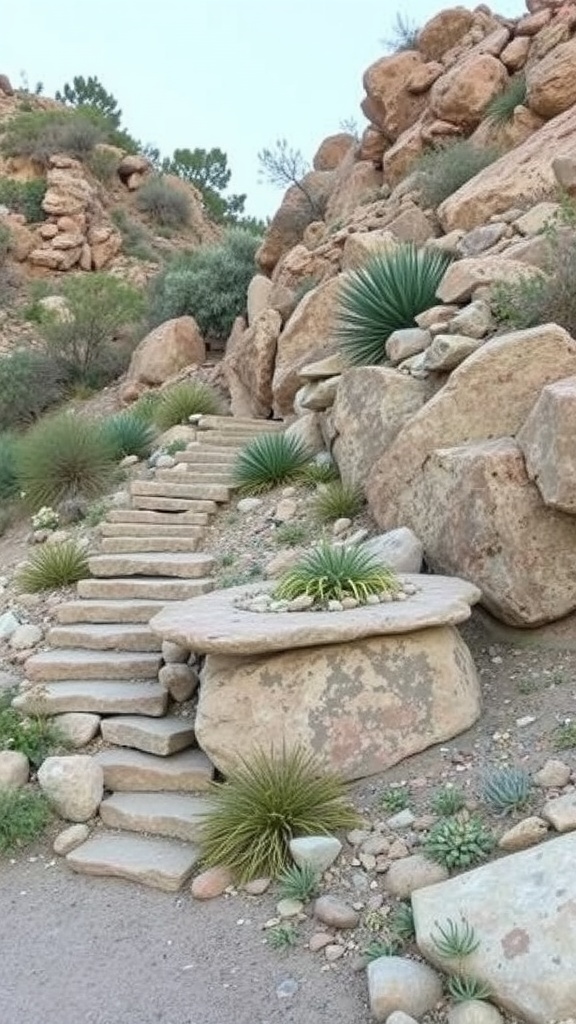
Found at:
(132, 770)
(212, 624)
(152, 564)
(105, 637)
(176, 815)
(161, 736)
(129, 516)
(158, 588)
(83, 664)
(522, 909)
(161, 863)
(103, 611)
(97, 696)
(161, 542)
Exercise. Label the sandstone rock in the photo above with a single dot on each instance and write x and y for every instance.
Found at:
(554, 774)
(335, 912)
(515, 54)
(5, 86)
(444, 31)
(447, 351)
(73, 784)
(296, 211)
(8, 625)
(464, 276)
(306, 337)
(411, 225)
(70, 838)
(211, 883)
(133, 163)
(356, 182)
(332, 151)
(533, 221)
(360, 247)
(405, 876)
(372, 405)
(530, 928)
(67, 194)
(372, 145)
(332, 366)
(551, 83)
(258, 297)
(474, 1011)
(546, 440)
(437, 315)
(77, 728)
(395, 983)
(424, 76)
(480, 239)
(399, 549)
(307, 430)
(564, 170)
(21, 240)
(14, 769)
(25, 636)
(250, 362)
(174, 653)
(281, 562)
(181, 681)
(400, 157)
(389, 105)
(399, 1017)
(561, 812)
(524, 834)
(257, 886)
(166, 350)
(317, 396)
(463, 93)
(405, 343)
(475, 320)
(317, 852)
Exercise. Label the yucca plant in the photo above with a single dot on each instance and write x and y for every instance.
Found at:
(24, 814)
(464, 988)
(299, 883)
(329, 572)
(506, 789)
(269, 799)
(502, 107)
(269, 460)
(386, 295)
(337, 500)
(52, 566)
(129, 435)
(458, 842)
(62, 457)
(177, 403)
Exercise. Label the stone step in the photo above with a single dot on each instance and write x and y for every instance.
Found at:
(79, 664)
(105, 637)
(155, 503)
(186, 566)
(159, 588)
(192, 492)
(161, 863)
(225, 439)
(98, 696)
(134, 771)
(190, 474)
(235, 423)
(162, 542)
(160, 736)
(150, 530)
(126, 516)
(107, 611)
(176, 815)
(204, 455)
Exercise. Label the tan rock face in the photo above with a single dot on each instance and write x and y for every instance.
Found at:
(444, 31)
(372, 145)
(332, 150)
(389, 105)
(464, 276)
(547, 441)
(306, 337)
(463, 93)
(360, 707)
(355, 182)
(166, 350)
(551, 83)
(400, 157)
(251, 362)
(68, 193)
(522, 176)
(297, 210)
(360, 247)
(258, 298)
(514, 55)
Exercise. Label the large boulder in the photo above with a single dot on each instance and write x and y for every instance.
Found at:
(67, 193)
(360, 706)
(388, 103)
(355, 182)
(306, 337)
(551, 82)
(301, 205)
(444, 31)
(249, 362)
(463, 277)
(547, 441)
(463, 93)
(167, 350)
(332, 151)
(372, 405)
(258, 297)
(73, 784)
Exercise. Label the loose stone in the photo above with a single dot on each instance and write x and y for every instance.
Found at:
(335, 912)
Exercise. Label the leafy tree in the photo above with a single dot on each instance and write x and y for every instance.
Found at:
(284, 166)
(89, 92)
(208, 171)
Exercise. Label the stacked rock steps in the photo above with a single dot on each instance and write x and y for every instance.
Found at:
(103, 658)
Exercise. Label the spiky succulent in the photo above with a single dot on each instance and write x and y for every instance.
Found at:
(269, 460)
(459, 842)
(330, 572)
(506, 789)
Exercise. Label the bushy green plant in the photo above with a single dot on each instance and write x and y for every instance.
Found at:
(458, 842)
(24, 814)
(395, 799)
(379, 947)
(40, 134)
(282, 936)
(447, 801)
(455, 940)
(506, 789)
(84, 342)
(53, 566)
(145, 407)
(136, 239)
(446, 168)
(129, 435)
(337, 500)
(385, 295)
(30, 382)
(267, 800)
(463, 988)
(402, 922)
(299, 883)
(5, 240)
(565, 735)
(9, 486)
(405, 35)
(61, 457)
(501, 108)
(35, 736)
(320, 472)
(329, 572)
(104, 164)
(290, 534)
(24, 197)
(210, 283)
(269, 460)
(164, 202)
(176, 404)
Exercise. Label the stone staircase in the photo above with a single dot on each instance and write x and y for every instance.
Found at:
(104, 659)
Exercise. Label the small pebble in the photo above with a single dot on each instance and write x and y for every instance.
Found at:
(289, 908)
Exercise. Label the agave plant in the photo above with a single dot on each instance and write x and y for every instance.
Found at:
(129, 434)
(458, 842)
(52, 566)
(506, 789)
(383, 296)
(269, 460)
(330, 572)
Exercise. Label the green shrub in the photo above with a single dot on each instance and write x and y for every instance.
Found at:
(395, 799)
(209, 284)
(448, 801)
(176, 404)
(9, 486)
(136, 239)
(291, 534)
(458, 842)
(104, 163)
(329, 573)
(24, 197)
(320, 472)
(463, 988)
(36, 737)
(506, 789)
(401, 922)
(269, 460)
(40, 134)
(61, 457)
(446, 168)
(565, 735)
(165, 203)
(383, 296)
(267, 801)
(501, 108)
(30, 382)
(24, 815)
(5, 239)
(84, 344)
(298, 883)
(129, 435)
(337, 500)
(377, 948)
(145, 407)
(282, 936)
(53, 566)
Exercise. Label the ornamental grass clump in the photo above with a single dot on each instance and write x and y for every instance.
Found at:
(337, 500)
(176, 404)
(269, 799)
(53, 566)
(501, 109)
(24, 814)
(129, 435)
(333, 572)
(386, 295)
(269, 460)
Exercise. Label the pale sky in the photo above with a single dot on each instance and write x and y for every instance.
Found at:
(237, 74)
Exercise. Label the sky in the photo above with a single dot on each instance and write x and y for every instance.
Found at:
(236, 74)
